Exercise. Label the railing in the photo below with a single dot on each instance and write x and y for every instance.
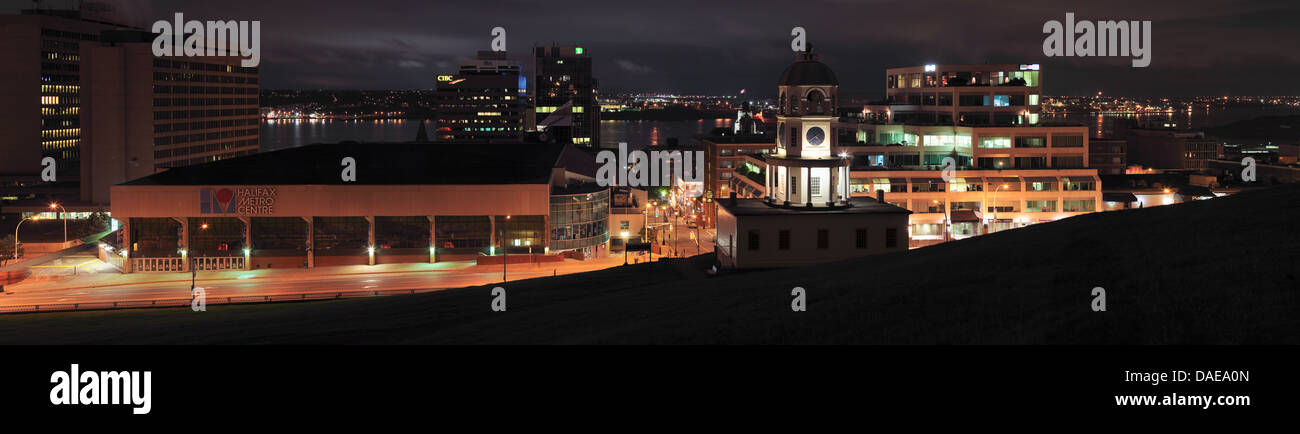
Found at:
(210, 301)
(157, 265)
(219, 263)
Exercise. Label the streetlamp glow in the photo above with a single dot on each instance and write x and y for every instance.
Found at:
(55, 205)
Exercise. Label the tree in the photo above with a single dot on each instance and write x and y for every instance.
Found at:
(6, 249)
(96, 223)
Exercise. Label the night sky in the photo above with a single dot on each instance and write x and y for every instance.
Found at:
(1200, 47)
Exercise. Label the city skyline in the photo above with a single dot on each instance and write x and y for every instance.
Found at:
(1210, 49)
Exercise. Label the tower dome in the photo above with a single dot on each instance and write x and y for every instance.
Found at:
(808, 70)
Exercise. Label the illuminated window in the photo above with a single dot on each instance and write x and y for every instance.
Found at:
(995, 142)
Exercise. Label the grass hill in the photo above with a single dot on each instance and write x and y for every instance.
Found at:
(1221, 271)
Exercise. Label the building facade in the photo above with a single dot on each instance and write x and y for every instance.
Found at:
(42, 90)
(108, 111)
(147, 114)
(483, 101)
(291, 209)
(807, 214)
(563, 80)
(1002, 94)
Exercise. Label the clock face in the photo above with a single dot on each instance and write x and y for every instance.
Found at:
(816, 136)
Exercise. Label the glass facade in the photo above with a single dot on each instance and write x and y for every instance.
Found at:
(579, 220)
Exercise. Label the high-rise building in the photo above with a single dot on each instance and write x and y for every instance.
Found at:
(483, 101)
(562, 80)
(41, 62)
(107, 110)
(962, 95)
(145, 114)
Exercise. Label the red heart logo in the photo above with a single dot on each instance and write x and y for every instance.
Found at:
(224, 196)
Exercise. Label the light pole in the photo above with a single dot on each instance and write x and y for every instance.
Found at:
(625, 236)
(995, 205)
(65, 221)
(20, 224)
(505, 254)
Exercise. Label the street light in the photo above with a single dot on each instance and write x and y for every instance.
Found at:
(995, 203)
(625, 236)
(65, 221)
(20, 224)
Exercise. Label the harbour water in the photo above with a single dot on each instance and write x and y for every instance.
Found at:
(282, 134)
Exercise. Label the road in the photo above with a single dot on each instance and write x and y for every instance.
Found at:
(325, 279)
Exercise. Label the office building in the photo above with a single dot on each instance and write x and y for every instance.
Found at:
(109, 111)
(961, 95)
(1169, 148)
(564, 85)
(483, 101)
(42, 66)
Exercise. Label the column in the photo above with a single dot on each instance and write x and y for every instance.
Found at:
(370, 251)
(767, 180)
(433, 240)
(185, 242)
(785, 179)
(834, 188)
(492, 235)
(248, 242)
(126, 246)
(806, 174)
(848, 184)
(311, 241)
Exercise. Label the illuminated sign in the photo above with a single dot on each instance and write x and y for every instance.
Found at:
(456, 81)
(1033, 67)
(931, 68)
(237, 201)
(446, 78)
(579, 51)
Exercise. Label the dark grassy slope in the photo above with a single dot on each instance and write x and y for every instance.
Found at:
(1219, 271)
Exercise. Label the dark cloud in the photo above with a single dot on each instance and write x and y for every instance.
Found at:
(1200, 46)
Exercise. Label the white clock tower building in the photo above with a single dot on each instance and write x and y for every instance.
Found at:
(808, 169)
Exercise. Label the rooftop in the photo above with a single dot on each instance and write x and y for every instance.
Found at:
(760, 207)
(377, 164)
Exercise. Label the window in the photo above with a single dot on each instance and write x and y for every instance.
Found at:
(1067, 141)
(861, 238)
(753, 240)
(995, 142)
(1031, 142)
(1040, 206)
(623, 225)
(1086, 205)
(891, 238)
(783, 240)
(823, 239)
(1067, 162)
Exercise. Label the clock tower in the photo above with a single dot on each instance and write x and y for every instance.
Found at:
(808, 169)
